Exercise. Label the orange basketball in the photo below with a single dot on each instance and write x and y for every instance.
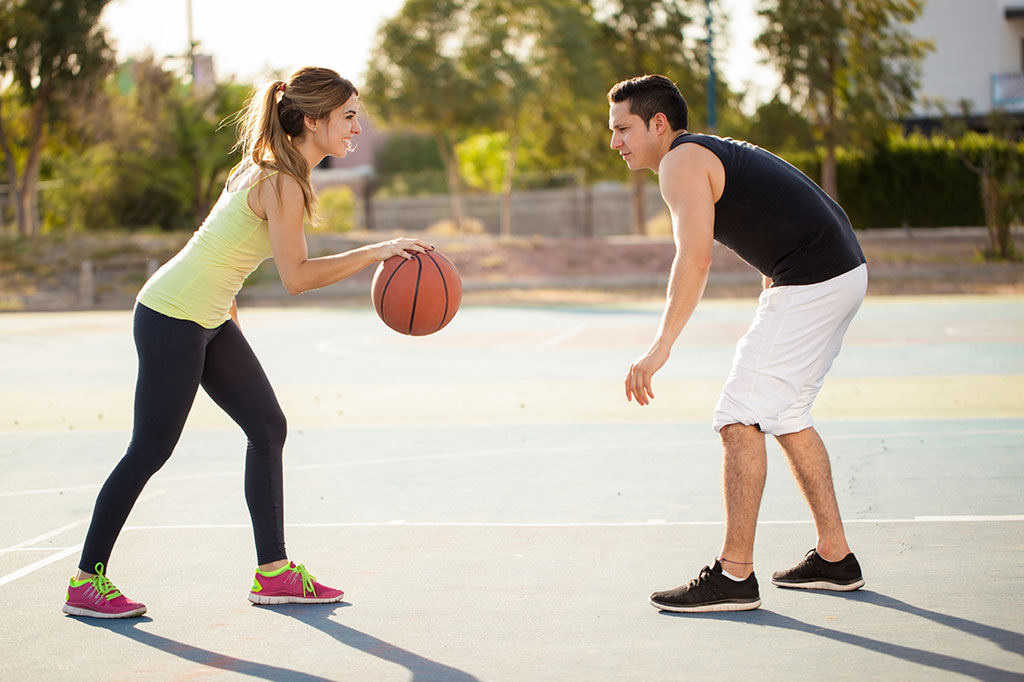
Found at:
(418, 295)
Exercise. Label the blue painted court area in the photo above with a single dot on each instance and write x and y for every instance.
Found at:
(496, 510)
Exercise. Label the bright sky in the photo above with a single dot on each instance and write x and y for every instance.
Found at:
(255, 39)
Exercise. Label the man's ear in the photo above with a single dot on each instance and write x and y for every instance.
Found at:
(660, 122)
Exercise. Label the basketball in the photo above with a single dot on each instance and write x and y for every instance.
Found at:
(419, 295)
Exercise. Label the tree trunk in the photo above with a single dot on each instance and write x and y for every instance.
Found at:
(506, 190)
(639, 202)
(12, 174)
(26, 201)
(451, 167)
(829, 181)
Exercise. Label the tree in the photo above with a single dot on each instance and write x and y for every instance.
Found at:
(648, 36)
(777, 127)
(501, 50)
(850, 66)
(997, 158)
(51, 53)
(153, 152)
(415, 80)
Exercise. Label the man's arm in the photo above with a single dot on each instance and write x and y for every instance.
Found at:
(685, 179)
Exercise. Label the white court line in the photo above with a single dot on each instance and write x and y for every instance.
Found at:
(42, 491)
(523, 452)
(967, 518)
(578, 524)
(47, 535)
(560, 338)
(67, 551)
(39, 564)
(389, 460)
(472, 524)
(926, 434)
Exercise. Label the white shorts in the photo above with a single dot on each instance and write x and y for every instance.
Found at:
(781, 362)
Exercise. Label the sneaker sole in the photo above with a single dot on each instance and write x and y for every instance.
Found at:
(263, 600)
(820, 585)
(89, 613)
(708, 608)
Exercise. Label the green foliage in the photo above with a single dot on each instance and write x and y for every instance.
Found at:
(54, 54)
(776, 126)
(537, 72)
(409, 163)
(914, 181)
(155, 155)
(849, 66)
(482, 160)
(336, 210)
(407, 152)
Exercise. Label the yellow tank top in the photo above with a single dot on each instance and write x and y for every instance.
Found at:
(199, 283)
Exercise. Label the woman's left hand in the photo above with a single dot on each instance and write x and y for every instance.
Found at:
(402, 246)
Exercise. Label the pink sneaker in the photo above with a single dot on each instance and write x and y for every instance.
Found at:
(98, 598)
(291, 584)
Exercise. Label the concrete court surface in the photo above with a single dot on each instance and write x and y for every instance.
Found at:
(495, 510)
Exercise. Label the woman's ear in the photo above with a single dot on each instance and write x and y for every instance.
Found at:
(310, 123)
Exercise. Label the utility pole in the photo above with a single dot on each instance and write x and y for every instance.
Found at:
(712, 118)
(191, 40)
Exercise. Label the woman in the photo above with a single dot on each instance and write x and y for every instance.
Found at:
(187, 334)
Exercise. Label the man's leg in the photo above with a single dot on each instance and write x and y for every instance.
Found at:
(744, 465)
(808, 459)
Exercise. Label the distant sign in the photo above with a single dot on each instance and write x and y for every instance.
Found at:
(1008, 91)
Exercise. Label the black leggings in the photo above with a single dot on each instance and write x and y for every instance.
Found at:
(175, 358)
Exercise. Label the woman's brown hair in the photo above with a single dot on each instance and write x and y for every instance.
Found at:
(274, 116)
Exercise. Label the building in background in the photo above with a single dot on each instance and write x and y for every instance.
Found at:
(978, 57)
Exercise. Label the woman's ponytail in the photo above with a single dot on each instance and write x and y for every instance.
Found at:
(274, 115)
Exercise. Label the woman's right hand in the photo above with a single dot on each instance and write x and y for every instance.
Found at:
(405, 247)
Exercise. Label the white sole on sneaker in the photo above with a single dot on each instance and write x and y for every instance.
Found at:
(263, 600)
(821, 585)
(708, 608)
(89, 613)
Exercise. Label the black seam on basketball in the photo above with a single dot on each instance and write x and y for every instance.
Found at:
(444, 283)
(384, 291)
(416, 292)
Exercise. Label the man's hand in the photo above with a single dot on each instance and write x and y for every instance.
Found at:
(638, 379)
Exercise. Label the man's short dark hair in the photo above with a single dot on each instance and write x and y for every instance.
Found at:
(649, 95)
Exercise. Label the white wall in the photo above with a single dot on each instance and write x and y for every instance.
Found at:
(973, 40)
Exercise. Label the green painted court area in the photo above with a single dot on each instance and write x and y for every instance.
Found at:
(496, 510)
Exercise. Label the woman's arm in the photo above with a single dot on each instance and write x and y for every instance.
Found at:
(299, 273)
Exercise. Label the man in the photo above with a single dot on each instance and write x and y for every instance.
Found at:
(815, 277)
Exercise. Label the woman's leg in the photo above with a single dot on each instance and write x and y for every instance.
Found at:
(171, 357)
(235, 380)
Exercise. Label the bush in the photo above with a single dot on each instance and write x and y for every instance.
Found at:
(913, 181)
(337, 210)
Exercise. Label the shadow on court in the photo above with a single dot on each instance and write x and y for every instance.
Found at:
(422, 669)
(193, 654)
(1006, 639)
(316, 616)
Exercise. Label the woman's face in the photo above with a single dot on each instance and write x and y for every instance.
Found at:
(340, 127)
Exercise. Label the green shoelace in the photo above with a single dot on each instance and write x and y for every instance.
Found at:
(102, 584)
(307, 579)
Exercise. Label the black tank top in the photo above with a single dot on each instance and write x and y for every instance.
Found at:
(776, 218)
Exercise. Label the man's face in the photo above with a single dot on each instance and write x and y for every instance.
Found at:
(631, 138)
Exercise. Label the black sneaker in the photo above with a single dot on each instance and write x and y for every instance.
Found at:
(814, 573)
(710, 591)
